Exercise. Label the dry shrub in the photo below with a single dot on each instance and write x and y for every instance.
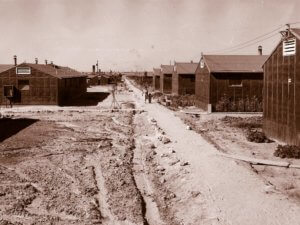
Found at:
(251, 125)
(182, 100)
(257, 137)
(287, 151)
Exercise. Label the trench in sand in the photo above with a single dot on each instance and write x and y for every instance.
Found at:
(144, 185)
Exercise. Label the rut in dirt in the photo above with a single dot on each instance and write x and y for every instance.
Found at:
(142, 180)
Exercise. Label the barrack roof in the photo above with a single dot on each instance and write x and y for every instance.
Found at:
(185, 67)
(235, 63)
(167, 69)
(156, 71)
(55, 70)
(4, 67)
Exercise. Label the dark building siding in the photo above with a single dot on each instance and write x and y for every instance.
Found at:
(70, 89)
(103, 80)
(175, 83)
(92, 81)
(156, 82)
(186, 84)
(211, 87)
(183, 84)
(281, 98)
(202, 86)
(42, 88)
(220, 85)
(166, 83)
(161, 83)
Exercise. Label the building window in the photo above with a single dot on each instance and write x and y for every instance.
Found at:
(23, 85)
(8, 91)
(236, 83)
(289, 47)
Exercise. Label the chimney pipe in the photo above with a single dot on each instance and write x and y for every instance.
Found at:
(192, 61)
(51, 62)
(46, 62)
(36, 61)
(94, 69)
(15, 60)
(260, 50)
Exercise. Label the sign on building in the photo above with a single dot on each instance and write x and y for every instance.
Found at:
(23, 70)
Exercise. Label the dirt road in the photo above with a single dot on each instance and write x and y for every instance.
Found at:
(230, 193)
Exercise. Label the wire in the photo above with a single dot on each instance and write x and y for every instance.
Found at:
(247, 42)
(294, 23)
(252, 43)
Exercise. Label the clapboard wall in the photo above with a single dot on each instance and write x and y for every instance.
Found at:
(212, 87)
(252, 86)
(202, 87)
(183, 84)
(166, 83)
(42, 88)
(282, 96)
(156, 82)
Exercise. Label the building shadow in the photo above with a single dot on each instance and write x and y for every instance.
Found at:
(89, 99)
(10, 127)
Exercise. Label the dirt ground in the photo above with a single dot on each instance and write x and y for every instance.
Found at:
(228, 132)
(69, 166)
(82, 165)
(129, 166)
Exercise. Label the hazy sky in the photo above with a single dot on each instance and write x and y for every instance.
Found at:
(135, 34)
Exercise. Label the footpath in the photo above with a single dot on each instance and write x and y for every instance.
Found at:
(233, 193)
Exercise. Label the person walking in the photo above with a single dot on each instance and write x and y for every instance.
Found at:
(146, 95)
(149, 97)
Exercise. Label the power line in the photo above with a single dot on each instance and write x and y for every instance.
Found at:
(247, 42)
(294, 23)
(236, 49)
(250, 42)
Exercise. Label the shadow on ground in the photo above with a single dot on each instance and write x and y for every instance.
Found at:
(10, 127)
(89, 99)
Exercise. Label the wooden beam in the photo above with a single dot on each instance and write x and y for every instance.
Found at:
(255, 161)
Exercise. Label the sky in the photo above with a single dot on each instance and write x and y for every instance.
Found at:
(130, 35)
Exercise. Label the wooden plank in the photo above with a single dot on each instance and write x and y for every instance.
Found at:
(256, 161)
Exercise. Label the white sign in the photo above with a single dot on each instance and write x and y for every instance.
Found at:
(23, 70)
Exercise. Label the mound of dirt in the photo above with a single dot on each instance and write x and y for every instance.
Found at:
(127, 105)
(243, 123)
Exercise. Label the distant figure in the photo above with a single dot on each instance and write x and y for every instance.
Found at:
(149, 97)
(146, 95)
